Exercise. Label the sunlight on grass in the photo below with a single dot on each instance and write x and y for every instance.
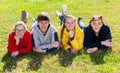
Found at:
(60, 61)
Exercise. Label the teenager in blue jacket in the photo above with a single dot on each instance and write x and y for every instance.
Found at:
(97, 35)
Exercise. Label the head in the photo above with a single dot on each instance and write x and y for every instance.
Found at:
(69, 22)
(43, 21)
(96, 23)
(20, 29)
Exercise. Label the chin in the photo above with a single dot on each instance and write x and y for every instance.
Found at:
(96, 31)
(20, 36)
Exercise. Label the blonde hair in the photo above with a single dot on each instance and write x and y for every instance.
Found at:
(20, 23)
(63, 26)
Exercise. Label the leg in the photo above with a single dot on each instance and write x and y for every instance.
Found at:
(24, 16)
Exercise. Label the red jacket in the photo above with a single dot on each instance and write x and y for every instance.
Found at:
(24, 46)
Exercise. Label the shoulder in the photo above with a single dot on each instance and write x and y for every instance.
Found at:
(59, 28)
(34, 29)
(88, 30)
(27, 33)
(52, 28)
(106, 28)
(12, 34)
(78, 29)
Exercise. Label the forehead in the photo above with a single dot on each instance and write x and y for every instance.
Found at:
(97, 21)
(43, 21)
(19, 27)
(70, 19)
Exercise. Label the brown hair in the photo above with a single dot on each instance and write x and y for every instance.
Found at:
(95, 18)
(20, 23)
(43, 16)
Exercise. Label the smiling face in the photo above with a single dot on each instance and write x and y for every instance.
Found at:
(69, 23)
(43, 25)
(96, 23)
(19, 31)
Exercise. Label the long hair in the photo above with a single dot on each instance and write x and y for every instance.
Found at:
(63, 25)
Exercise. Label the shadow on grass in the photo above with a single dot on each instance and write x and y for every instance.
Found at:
(66, 58)
(98, 57)
(35, 60)
(10, 62)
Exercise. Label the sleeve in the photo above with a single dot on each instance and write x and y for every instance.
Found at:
(53, 38)
(108, 34)
(11, 44)
(77, 42)
(107, 37)
(64, 42)
(29, 45)
(35, 38)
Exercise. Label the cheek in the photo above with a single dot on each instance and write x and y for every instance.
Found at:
(16, 33)
(67, 27)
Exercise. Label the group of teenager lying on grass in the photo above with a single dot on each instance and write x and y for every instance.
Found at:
(43, 36)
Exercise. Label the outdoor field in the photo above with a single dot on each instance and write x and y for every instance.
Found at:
(60, 61)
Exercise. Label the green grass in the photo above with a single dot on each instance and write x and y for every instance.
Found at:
(60, 61)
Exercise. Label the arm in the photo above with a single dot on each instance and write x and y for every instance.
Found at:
(54, 43)
(29, 44)
(64, 43)
(11, 44)
(35, 38)
(77, 42)
(108, 39)
(87, 40)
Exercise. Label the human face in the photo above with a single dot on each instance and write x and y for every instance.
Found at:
(70, 24)
(96, 25)
(19, 31)
(43, 25)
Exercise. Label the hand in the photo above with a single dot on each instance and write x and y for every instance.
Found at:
(17, 40)
(71, 33)
(106, 43)
(14, 54)
(37, 50)
(61, 45)
(55, 44)
(73, 51)
(92, 50)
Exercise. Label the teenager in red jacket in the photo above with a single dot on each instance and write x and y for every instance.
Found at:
(19, 41)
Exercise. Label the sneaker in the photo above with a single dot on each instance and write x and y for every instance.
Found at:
(24, 16)
(80, 23)
(64, 9)
(57, 13)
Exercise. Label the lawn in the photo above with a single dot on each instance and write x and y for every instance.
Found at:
(60, 61)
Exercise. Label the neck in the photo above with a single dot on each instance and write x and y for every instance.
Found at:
(96, 33)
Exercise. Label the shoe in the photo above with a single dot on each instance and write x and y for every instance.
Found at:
(57, 13)
(24, 17)
(80, 23)
(64, 9)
